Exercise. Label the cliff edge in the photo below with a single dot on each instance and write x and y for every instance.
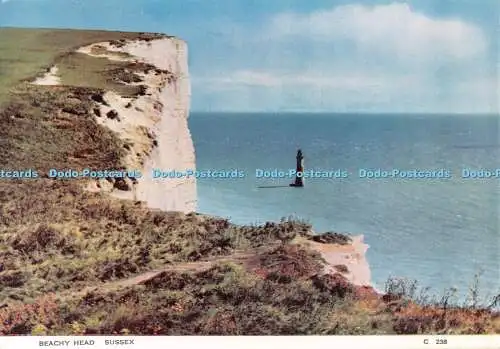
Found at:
(152, 124)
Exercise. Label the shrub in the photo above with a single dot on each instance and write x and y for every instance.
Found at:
(23, 318)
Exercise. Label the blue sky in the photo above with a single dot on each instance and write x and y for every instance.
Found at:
(310, 55)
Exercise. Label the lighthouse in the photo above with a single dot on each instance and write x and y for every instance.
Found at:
(299, 179)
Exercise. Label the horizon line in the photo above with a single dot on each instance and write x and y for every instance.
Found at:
(342, 113)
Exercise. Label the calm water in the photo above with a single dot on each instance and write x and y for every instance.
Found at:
(440, 232)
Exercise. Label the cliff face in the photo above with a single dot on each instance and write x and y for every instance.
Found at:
(175, 150)
(154, 124)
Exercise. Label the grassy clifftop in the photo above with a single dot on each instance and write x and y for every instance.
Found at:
(55, 126)
(27, 53)
(75, 262)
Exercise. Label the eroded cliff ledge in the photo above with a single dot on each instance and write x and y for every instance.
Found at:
(154, 123)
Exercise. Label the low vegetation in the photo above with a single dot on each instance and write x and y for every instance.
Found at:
(28, 53)
(75, 262)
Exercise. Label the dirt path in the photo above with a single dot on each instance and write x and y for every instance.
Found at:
(242, 258)
(246, 258)
(351, 256)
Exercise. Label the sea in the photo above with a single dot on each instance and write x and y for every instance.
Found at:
(442, 232)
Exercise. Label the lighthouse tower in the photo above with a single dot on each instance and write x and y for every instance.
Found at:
(299, 178)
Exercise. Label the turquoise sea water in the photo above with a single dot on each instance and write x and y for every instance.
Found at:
(438, 231)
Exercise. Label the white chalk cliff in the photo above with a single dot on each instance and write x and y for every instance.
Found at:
(155, 125)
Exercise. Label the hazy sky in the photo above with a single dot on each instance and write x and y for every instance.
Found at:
(314, 55)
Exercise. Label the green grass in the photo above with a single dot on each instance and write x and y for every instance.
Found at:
(79, 69)
(27, 53)
(74, 236)
(54, 126)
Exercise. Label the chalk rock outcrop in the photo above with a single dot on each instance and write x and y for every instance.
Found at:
(348, 259)
(154, 125)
